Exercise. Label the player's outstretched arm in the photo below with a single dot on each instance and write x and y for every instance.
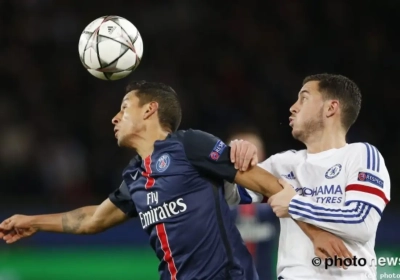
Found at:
(85, 220)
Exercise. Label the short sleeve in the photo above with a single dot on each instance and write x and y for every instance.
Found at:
(368, 179)
(209, 155)
(122, 199)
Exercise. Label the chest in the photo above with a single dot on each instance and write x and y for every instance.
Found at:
(157, 179)
(324, 181)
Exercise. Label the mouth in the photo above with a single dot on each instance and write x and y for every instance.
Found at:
(116, 132)
(291, 119)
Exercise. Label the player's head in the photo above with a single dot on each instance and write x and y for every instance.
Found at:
(146, 106)
(251, 134)
(325, 100)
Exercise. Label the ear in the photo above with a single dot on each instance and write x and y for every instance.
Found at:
(332, 108)
(150, 109)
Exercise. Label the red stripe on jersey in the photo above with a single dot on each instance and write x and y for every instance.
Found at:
(249, 210)
(150, 180)
(367, 189)
(162, 236)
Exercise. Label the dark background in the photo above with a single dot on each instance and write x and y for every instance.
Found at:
(232, 63)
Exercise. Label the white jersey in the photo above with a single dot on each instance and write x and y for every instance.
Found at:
(343, 191)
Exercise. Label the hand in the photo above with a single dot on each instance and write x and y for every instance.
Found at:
(243, 154)
(16, 227)
(327, 245)
(280, 202)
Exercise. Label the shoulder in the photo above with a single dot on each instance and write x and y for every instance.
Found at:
(198, 143)
(364, 155)
(363, 150)
(291, 157)
(364, 147)
(288, 155)
(191, 133)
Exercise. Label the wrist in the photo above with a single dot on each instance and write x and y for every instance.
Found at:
(35, 222)
(313, 232)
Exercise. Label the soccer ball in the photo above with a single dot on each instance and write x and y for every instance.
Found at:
(110, 48)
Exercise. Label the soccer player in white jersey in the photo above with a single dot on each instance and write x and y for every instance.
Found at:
(339, 187)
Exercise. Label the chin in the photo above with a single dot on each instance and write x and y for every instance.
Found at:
(121, 142)
(296, 134)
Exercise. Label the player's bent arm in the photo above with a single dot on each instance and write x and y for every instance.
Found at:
(366, 195)
(357, 221)
(85, 220)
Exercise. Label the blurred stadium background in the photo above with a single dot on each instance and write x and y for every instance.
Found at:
(235, 64)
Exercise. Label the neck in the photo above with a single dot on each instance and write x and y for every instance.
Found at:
(144, 141)
(325, 140)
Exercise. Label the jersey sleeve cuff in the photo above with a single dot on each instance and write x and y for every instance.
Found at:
(294, 208)
(366, 194)
(124, 207)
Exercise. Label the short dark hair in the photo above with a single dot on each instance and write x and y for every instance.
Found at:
(169, 110)
(341, 88)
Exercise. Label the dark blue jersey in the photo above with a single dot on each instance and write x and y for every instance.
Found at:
(177, 194)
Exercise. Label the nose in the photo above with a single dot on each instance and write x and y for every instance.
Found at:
(294, 108)
(116, 119)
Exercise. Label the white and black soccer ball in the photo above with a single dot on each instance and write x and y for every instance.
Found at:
(110, 48)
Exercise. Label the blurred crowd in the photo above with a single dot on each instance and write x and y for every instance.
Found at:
(234, 64)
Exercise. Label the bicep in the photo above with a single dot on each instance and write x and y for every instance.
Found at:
(368, 179)
(209, 155)
(107, 214)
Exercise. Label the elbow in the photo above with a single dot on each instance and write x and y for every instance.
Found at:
(362, 232)
(365, 234)
(366, 229)
(92, 228)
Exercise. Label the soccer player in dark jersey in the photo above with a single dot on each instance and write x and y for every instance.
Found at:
(173, 186)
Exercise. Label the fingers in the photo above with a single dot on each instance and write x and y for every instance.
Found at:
(328, 251)
(346, 253)
(342, 252)
(15, 235)
(235, 152)
(233, 146)
(250, 157)
(244, 158)
(14, 238)
(9, 236)
(7, 224)
(254, 160)
(319, 253)
(339, 255)
(243, 154)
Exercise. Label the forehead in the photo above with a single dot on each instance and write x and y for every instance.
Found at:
(130, 96)
(311, 88)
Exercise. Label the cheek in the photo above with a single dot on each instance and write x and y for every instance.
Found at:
(129, 119)
(307, 112)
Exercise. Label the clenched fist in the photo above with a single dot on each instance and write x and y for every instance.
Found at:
(16, 227)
